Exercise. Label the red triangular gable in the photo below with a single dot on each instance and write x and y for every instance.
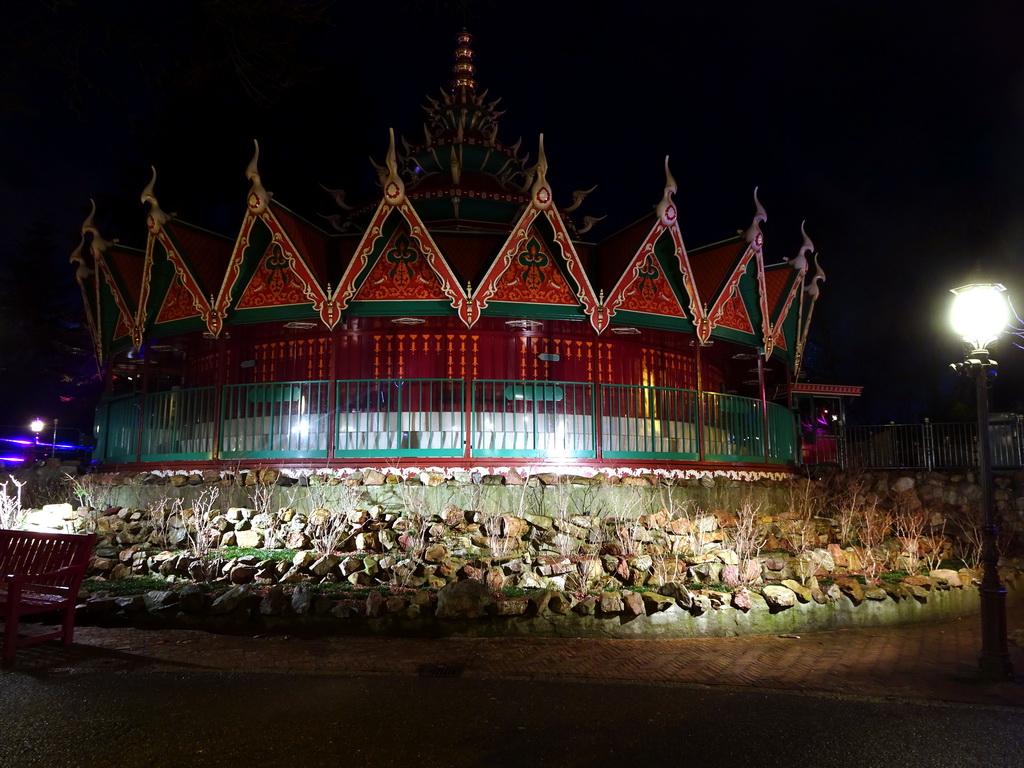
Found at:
(428, 260)
(179, 303)
(734, 315)
(644, 287)
(497, 284)
(533, 276)
(401, 273)
(274, 283)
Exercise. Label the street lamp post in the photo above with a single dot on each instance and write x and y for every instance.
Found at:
(980, 313)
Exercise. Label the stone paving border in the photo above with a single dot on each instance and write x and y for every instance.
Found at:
(924, 662)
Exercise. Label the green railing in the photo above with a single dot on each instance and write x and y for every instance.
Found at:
(117, 430)
(640, 422)
(283, 420)
(553, 419)
(179, 425)
(443, 418)
(400, 417)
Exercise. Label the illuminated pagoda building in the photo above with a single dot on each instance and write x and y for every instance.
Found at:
(462, 320)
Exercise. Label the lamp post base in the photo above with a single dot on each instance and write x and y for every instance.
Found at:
(994, 663)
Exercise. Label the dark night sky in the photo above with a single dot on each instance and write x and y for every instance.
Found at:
(896, 129)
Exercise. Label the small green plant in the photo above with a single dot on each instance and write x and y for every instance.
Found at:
(133, 585)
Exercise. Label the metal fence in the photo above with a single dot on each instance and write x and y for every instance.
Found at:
(406, 418)
(930, 446)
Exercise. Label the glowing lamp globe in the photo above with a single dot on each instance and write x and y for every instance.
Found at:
(980, 313)
(37, 425)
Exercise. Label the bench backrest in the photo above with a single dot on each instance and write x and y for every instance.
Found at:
(32, 552)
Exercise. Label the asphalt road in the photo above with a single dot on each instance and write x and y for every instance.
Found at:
(129, 719)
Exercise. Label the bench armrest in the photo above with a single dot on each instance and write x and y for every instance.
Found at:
(28, 579)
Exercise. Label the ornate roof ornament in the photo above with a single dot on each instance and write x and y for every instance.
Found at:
(157, 218)
(666, 209)
(99, 245)
(455, 166)
(464, 69)
(812, 288)
(589, 222)
(259, 197)
(338, 196)
(799, 262)
(578, 196)
(753, 235)
(394, 188)
(540, 191)
(77, 257)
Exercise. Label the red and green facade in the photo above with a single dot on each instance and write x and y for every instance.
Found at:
(462, 319)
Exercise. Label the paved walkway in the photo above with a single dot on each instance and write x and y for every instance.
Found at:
(933, 662)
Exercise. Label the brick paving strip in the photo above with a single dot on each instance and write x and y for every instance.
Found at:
(927, 662)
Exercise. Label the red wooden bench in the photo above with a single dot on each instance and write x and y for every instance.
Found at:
(39, 573)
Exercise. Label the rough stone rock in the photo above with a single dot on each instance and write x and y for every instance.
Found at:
(158, 599)
(193, 599)
(375, 605)
(101, 606)
(918, 581)
(467, 599)
(373, 477)
(852, 589)
(543, 522)
(553, 565)
(560, 603)
(586, 607)
(741, 599)
(274, 602)
(892, 590)
(707, 572)
(875, 593)
(725, 519)
(679, 593)
(249, 539)
(779, 597)
(802, 593)
(511, 606)
(325, 565)
(242, 574)
(833, 593)
(951, 577)
(611, 602)
(590, 569)
(132, 603)
(530, 580)
(719, 599)
(436, 553)
(918, 593)
(903, 484)
(633, 603)
(701, 604)
(230, 600)
(303, 559)
(432, 479)
(300, 599)
(494, 578)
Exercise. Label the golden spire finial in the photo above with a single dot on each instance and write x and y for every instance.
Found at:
(464, 68)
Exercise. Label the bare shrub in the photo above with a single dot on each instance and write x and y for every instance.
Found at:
(200, 535)
(875, 527)
(165, 517)
(748, 541)
(90, 492)
(12, 514)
